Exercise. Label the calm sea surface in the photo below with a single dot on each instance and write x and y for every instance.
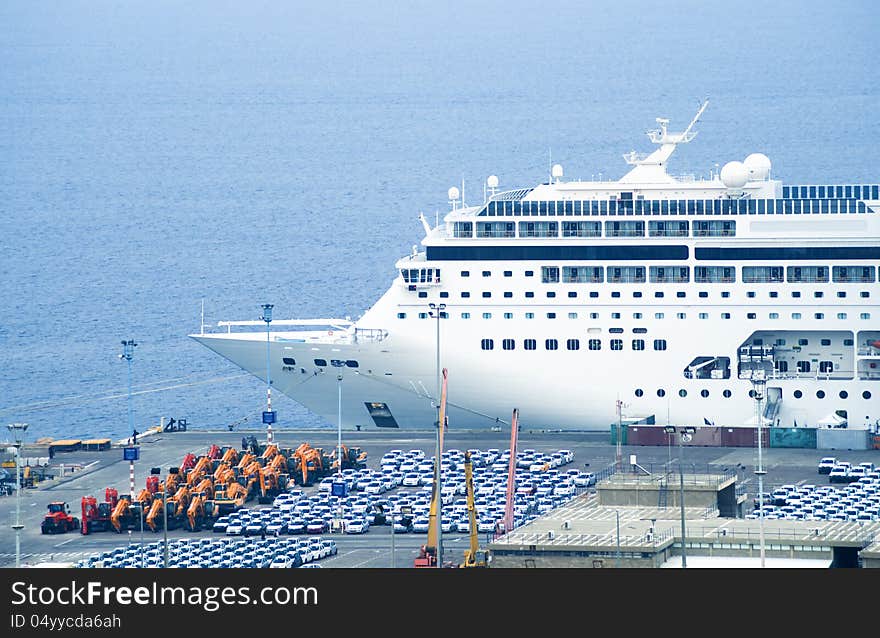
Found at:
(156, 155)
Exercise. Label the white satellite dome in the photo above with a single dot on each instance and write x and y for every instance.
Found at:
(453, 193)
(556, 171)
(492, 181)
(734, 174)
(758, 166)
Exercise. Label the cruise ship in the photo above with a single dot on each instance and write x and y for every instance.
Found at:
(728, 300)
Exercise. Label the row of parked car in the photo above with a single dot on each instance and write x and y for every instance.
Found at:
(398, 493)
(858, 500)
(843, 471)
(207, 552)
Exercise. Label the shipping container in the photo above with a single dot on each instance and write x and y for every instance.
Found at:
(842, 439)
(793, 438)
(744, 437)
(649, 435)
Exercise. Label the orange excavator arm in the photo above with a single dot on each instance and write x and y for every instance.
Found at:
(118, 513)
(155, 511)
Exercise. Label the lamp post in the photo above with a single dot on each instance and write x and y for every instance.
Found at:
(758, 383)
(17, 431)
(438, 312)
(684, 436)
(269, 416)
(157, 472)
(127, 354)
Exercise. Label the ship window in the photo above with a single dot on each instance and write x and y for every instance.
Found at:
(465, 295)
(423, 315)
(774, 294)
(539, 229)
(625, 229)
(401, 315)
(819, 315)
(508, 315)
(351, 363)
(615, 315)
(595, 344)
(551, 315)
(444, 295)
(796, 294)
(465, 273)
(751, 315)
(795, 315)
(820, 394)
(463, 229)
(774, 315)
(703, 294)
(637, 315)
(572, 315)
(595, 315)
(659, 315)
(682, 393)
(704, 315)
(288, 361)
(667, 229)
(529, 294)
(853, 274)
(573, 344)
(725, 295)
(864, 294)
(781, 365)
(847, 342)
(617, 344)
(486, 295)
(762, 274)
(508, 295)
(680, 294)
(530, 315)
(550, 274)
(681, 315)
(803, 342)
(572, 295)
(798, 394)
(551, 295)
(669, 274)
(530, 273)
(843, 394)
(615, 295)
(551, 344)
(582, 274)
(487, 344)
(704, 394)
(866, 395)
(638, 344)
(726, 394)
(465, 315)
(508, 344)
(321, 363)
(487, 273)
(508, 273)
(865, 315)
(639, 392)
(661, 393)
(725, 315)
(581, 229)
(803, 366)
(807, 274)
(714, 274)
(616, 331)
(594, 294)
(714, 228)
(658, 295)
(841, 294)
(637, 295)
(422, 295)
(487, 315)
(826, 367)
(530, 344)
(626, 274)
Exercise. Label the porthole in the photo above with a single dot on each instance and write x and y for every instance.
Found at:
(704, 393)
(866, 395)
(661, 393)
(843, 394)
(726, 394)
(820, 394)
(639, 392)
(682, 393)
(798, 394)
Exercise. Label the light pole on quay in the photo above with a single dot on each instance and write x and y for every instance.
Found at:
(17, 431)
(685, 434)
(268, 416)
(438, 312)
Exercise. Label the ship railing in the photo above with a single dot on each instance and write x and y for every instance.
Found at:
(373, 335)
(333, 324)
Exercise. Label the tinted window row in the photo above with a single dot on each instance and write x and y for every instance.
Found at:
(793, 205)
(570, 344)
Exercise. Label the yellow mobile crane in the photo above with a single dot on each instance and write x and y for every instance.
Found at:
(428, 553)
(473, 556)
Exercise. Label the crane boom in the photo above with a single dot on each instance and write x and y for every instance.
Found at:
(511, 474)
(428, 553)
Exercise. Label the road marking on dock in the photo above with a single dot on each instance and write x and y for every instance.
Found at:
(64, 542)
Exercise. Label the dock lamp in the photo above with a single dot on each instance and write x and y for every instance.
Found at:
(438, 312)
(685, 434)
(155, 471)
(268, 415)
(17, 431)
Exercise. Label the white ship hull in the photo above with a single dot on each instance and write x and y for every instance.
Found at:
(668, 299)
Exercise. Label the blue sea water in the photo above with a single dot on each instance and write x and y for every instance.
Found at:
(153, 155)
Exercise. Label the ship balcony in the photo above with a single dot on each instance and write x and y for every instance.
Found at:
(869, 368)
